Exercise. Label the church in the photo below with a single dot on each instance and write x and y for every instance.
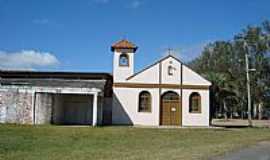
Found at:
(166, 92)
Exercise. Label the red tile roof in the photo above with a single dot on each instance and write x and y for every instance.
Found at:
(123, 44)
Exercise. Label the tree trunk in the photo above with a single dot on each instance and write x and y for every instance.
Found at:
(225, 110)
(260, 109)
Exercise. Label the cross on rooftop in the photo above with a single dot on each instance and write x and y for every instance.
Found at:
(171, 51)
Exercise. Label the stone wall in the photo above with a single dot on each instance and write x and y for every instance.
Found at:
(16, 106)
(43, 108)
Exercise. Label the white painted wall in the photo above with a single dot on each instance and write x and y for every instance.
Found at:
(192, 78)
(150, 75)
(125, 107)
(195, 119)
(120, 73)
(171, 79)
(125, 100)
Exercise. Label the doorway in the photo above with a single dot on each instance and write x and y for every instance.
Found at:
(170, 109)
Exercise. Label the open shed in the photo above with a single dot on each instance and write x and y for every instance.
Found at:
(55, 98)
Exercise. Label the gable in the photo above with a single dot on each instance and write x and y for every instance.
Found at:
(171, 71)
(192, 78)
(151, 74)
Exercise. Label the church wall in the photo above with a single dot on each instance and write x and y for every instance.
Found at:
(175, 78)
(122, 72)
(195, 119)
(150, 75)
(125, 107)
(192, 78)
(125, 100)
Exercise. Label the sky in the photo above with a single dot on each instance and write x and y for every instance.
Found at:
(76, 35)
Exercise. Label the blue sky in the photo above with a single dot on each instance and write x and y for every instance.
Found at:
(75, 35)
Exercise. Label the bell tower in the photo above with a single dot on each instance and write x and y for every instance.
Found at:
(123, 60)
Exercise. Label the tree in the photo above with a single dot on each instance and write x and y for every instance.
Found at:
(223, 63)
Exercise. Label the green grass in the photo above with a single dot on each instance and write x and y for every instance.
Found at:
(85, 143)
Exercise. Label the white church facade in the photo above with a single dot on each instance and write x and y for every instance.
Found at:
(164, 93)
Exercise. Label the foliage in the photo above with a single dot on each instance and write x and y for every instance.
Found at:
(223, 63)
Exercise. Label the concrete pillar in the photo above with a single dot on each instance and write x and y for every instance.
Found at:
(95, 98)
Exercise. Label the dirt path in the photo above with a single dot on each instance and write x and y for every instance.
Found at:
(240, 123)
(260, 151)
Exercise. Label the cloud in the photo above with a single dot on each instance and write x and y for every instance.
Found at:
(27, 60)
(41, 21)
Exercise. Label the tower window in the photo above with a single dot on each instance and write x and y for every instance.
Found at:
(124, 60)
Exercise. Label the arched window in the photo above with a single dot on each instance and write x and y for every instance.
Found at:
(195, 103)
(124, 60)
(144, 102)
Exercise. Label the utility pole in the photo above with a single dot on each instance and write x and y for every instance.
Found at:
(248, 91)
(248, 84)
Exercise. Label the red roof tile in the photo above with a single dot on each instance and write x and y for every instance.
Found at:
(123, 44)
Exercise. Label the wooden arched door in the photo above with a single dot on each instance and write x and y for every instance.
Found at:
(170, 109)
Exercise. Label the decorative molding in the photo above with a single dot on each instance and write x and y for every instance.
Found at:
(154, 85)
(120, 50)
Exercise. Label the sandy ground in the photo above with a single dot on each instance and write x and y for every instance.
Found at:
(240, 123)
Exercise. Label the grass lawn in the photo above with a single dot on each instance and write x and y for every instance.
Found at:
(85, 143)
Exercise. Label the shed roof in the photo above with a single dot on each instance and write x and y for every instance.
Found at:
(54, 75)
